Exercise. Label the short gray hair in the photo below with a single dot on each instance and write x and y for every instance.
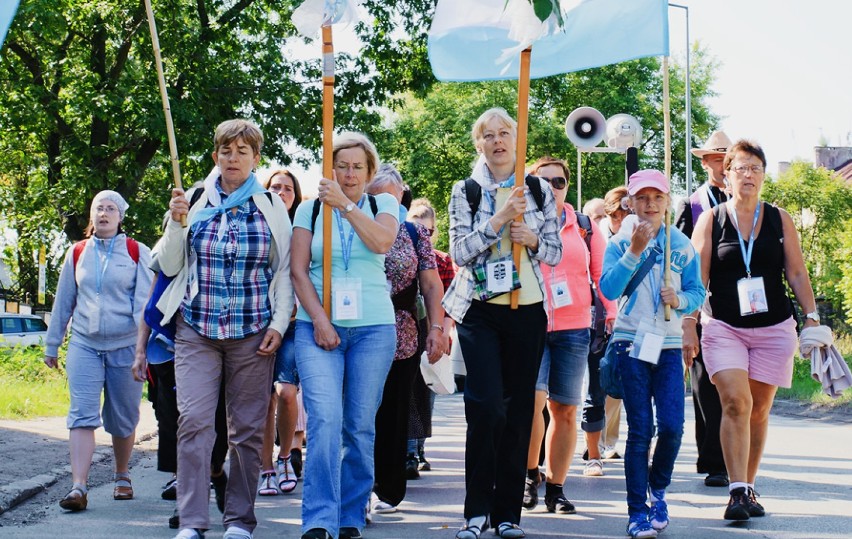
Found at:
(387, 174)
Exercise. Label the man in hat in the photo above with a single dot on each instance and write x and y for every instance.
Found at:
(705, 398)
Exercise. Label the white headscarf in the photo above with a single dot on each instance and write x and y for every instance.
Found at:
(113, 196)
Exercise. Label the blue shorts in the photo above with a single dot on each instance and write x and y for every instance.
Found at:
(91, 372)
(285, 360)
(563, 365)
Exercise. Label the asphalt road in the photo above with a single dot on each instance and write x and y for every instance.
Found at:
(805, 482)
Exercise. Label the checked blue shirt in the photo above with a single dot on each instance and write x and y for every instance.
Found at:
(233, 275)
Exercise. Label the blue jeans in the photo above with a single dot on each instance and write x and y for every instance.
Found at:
(341, 390)
(285, 360)
(563, 365)
(644, 382)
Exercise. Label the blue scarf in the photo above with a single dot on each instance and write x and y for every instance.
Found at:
(249, 188)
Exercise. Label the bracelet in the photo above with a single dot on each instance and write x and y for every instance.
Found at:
(690, 318)
(439, 327)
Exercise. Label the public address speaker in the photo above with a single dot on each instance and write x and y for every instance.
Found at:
(585, 127)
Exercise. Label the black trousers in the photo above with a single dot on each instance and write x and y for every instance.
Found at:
(391, 447)
(502, 353)
(708, 418)
(164, 399)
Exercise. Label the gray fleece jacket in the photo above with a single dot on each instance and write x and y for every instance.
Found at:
(124, 292)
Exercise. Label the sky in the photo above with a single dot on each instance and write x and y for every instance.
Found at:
(784, 77)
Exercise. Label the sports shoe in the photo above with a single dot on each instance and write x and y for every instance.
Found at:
(659, 515)
(594, 468)
(381, 507)
(189, 533)
(610, 452)
(738, 504)
(754, 507)
(640, 527)
(559, 504)
(424, 464)
(530, 493)
(317, 533)
(174, 520)
(349, 532)
(170, 490)
(412, 464)
(235, 532)
(286, 476)
(716, 480)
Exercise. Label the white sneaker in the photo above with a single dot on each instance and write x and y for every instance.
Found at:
(188, 533)
(610, 452)
(380, 507)
(235, 532)
(594, 468)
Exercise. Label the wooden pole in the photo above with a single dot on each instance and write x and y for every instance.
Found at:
(327, 156)
(167, 110)
(521, 150)
(668, 158)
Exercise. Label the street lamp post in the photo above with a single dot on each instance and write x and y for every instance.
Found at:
(688, 106)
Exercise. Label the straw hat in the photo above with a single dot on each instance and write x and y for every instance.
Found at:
(718, 143)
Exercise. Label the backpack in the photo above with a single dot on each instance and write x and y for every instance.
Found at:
(473, 192)
(315, 210)
(132, 250)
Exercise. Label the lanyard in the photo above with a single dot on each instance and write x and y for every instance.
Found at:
(746, 252)
(656, 286)
(99, 273)
(346, 245)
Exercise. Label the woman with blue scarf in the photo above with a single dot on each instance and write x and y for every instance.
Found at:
(231, 298)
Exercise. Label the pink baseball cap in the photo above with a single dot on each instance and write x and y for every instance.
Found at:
(647, 178)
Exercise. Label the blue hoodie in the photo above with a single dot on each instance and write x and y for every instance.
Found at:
(620, 265)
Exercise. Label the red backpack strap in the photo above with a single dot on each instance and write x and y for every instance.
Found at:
(133, 249)
(78, 250)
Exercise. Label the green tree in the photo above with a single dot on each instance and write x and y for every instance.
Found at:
(81, 111)
(820, 203)
(429, 137)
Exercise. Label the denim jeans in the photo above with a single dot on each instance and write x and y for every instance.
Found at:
(644, 382)
(341, 389)
(563, 365)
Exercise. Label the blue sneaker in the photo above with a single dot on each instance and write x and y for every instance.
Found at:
(659, 516)
(640, 527)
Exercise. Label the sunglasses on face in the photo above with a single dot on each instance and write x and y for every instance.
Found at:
(557, 182)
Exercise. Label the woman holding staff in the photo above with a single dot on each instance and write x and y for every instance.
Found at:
(501, 346)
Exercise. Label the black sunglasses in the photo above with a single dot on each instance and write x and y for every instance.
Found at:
(558, 182)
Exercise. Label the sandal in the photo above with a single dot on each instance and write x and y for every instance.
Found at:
(123, 489)
(267, 484)
(473, 528)
(286, 476)
(76, 500)
(507, 530)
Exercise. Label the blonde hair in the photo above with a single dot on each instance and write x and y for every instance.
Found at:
(230, 130)
(421, 208)
(613, 200)
(496, 112)
(351, 139)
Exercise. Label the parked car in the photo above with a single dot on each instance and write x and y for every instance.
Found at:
(22, 329)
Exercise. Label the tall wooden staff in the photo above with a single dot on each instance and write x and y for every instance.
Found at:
(327, 153)
(167, 110)
(521, 151)
(668, 158)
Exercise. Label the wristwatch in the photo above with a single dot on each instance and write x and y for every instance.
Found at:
(348, 208)
(813, 316)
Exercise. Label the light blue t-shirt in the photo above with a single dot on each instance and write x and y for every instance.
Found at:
(376, 307)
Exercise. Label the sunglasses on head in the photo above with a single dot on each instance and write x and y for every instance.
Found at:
(558, 182)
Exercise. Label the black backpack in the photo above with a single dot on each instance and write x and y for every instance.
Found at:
(316, 209)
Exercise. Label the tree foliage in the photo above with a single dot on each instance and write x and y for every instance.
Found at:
(81, 110)
(820, 203)
(429, 137)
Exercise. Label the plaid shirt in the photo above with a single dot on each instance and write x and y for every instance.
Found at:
(446, 269)
(233, 275)
(472, 236)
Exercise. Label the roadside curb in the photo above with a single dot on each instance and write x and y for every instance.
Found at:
(18, 492)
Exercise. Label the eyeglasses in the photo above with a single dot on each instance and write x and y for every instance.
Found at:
(106, 209)
(558, 182)
(343, 167)
(742, 169)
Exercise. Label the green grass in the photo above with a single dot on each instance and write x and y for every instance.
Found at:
(29, 388)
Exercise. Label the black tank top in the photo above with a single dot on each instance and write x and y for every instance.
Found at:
(727, 267)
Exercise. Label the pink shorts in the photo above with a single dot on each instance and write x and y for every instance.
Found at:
(765, 353)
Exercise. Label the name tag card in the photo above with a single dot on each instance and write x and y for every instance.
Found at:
(752, 296)
(346, 299)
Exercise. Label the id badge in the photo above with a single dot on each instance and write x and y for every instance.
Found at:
(649, 341)
(94, 312)
(498, 275)
(752, 295)
(346, 299)
(192, 274)
(560, 292)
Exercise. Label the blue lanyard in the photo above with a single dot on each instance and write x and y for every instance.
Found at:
(656, 286)
(346, 245)
(712, 197)
(99, 274)
(746, 252)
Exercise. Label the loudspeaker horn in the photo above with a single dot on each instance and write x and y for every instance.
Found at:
(585, 127)
(623, 131)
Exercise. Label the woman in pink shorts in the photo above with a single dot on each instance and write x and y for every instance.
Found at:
(747, 249)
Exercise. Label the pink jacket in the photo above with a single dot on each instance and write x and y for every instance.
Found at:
(575, 269)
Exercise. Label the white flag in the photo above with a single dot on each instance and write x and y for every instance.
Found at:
(312, 15)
